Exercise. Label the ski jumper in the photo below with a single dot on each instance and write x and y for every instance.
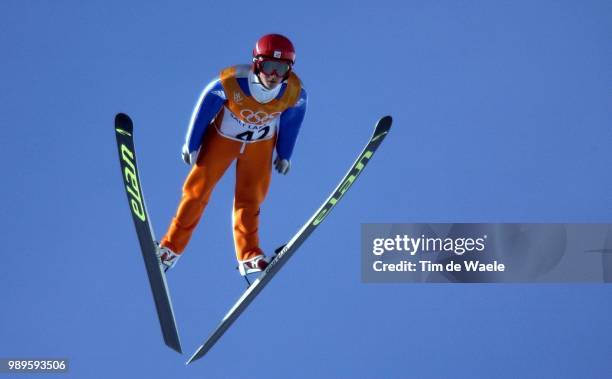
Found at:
(237, 119)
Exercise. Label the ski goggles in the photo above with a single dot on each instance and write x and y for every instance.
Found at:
(269, 67)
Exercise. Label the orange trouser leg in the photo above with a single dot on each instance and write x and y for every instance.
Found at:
(253, 172)
(215, 157)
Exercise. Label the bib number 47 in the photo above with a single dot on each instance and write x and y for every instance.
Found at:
(250, 135)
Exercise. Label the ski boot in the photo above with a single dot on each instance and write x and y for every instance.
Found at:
(255, 264)
(167, 257)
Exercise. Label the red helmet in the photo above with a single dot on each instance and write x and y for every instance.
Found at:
(274, 46)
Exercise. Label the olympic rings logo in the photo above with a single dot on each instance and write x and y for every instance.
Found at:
(259, 117)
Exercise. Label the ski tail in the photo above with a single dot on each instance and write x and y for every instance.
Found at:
(124, 132)
(283, 254)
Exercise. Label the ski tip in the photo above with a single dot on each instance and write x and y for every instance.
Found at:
(382, 127)
(123, 121)
(386, 121)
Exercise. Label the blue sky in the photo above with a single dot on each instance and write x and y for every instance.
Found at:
(501, 114)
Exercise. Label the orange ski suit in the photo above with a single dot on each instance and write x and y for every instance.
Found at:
(253, 168)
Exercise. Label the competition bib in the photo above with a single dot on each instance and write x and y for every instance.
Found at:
(254, 125)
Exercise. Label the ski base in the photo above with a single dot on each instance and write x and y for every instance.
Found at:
(124, 132)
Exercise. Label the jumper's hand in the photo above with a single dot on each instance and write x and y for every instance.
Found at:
(282, 165)
(188, 157)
